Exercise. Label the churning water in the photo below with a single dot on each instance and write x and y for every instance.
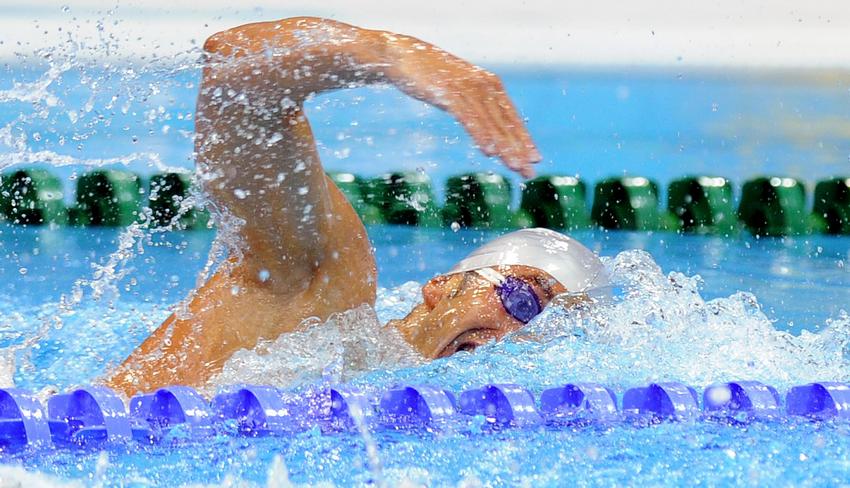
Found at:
(74, 302)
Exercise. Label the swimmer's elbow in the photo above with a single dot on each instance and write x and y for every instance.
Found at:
(218, 43)
(224, 42)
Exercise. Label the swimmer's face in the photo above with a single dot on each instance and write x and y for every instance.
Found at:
(463, 311)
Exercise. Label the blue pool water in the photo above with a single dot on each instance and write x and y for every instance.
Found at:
(693, 309)
(666, 326)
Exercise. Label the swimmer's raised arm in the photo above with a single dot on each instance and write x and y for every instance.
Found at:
(303, 56)
(255, 150)
(304, 251)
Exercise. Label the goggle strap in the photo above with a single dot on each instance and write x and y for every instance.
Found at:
(491, 275)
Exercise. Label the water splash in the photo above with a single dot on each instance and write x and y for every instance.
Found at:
(16, 476)
(76, 106)
(345, 346)
(37, 92)
(657, 327)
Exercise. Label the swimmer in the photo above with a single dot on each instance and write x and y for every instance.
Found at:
(304, 251)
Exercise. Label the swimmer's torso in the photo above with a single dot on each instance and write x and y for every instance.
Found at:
(234, 310)
(304, 250)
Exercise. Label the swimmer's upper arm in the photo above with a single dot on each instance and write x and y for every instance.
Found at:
(255, 148)
(311, 55)
(305, 55)
(256, 154)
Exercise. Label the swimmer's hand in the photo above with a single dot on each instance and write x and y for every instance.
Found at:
(473, 95)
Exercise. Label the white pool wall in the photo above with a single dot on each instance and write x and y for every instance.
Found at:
(742, 34)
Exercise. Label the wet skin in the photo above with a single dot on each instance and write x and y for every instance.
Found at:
(462, 311)
(304, 253)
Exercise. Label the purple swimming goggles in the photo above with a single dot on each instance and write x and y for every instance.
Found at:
(518, 297)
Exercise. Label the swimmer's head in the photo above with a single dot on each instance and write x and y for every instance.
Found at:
(497, 289)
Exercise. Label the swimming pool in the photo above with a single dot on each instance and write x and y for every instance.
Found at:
(660, 330)
(73, 305)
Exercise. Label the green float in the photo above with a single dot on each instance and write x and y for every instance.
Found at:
(832, 206)
(355, 189)
(702, 205)
(481, 200)
(166, 194)
(556, 202)
(405, 199)
(32, 197)
(628, 203)
(107, 198)
(774, 206)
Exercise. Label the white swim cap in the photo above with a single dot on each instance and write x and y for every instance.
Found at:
(564, 258)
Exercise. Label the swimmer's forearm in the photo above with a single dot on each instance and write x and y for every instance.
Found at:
(304, 56)
(299, 57)
(289, 60)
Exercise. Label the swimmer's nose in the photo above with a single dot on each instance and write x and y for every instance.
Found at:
(439, 287)
(473, 307)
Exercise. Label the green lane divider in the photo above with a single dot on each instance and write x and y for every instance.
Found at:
(481, 200)
(556, 202)
(703, 205)
(355, 189)
(832, 206)
(166, 193)
(628, 203)
(774, 206)
(32, 197)
(107, 198)
(405, 199)
(769, 206)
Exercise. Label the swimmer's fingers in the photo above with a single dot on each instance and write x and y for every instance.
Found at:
(473, 95)
(490, 137)
(488, 115)
(519, 151)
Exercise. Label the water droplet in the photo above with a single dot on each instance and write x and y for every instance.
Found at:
(23, 271)
(240, 193)
(276, 137)
(264, 275)
(455, 226)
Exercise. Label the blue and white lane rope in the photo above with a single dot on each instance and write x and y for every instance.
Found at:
(96, 416)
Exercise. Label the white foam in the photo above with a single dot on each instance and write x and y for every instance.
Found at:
(18, 477)
(657, 328)
(346, 345)
(7, 368)
(661, 328)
